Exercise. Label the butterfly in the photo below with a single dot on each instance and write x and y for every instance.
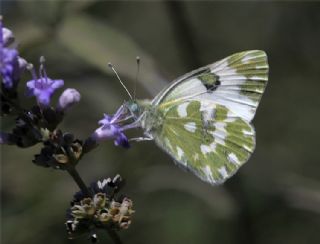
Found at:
(203, 118)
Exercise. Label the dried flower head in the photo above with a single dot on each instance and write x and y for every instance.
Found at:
(60, 151)
(104, 209)
(34, 126)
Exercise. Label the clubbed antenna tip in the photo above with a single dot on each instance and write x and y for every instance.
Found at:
(42, 60)
(29, 66)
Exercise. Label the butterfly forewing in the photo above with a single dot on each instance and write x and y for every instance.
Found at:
(206, 138)
(236, 82)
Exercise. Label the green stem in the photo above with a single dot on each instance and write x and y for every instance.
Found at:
(114, 236)
(76, 177)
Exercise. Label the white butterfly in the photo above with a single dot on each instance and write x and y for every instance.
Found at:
(203, 118)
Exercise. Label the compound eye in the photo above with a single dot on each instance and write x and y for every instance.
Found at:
(134, 107)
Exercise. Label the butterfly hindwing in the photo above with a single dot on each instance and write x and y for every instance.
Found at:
(208, 139)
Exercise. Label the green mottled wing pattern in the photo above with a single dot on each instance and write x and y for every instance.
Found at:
(207, 139)
(203, 119)
(236, 82)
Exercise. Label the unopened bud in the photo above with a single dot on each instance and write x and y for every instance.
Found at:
(8, 37)
(22, 64)
(68, 98)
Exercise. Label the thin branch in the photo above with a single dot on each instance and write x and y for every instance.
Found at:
(114, 236)
(76, 177)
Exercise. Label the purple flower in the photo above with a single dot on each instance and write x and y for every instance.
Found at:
(43, 87)
(8, 66)
(111, 128)
(11, 65)
(3, 138)
(7, 37)
(6, 138)
(68, 98)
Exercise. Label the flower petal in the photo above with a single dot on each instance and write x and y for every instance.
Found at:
(122, 140)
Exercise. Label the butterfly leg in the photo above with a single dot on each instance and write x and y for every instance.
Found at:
(143, 138)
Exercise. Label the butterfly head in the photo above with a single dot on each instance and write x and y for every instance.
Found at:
(137, 106)
(133, 107)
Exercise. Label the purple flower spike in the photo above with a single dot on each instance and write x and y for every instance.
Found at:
(111, 128)
(8, 66)
(11, 65)
(43, 87)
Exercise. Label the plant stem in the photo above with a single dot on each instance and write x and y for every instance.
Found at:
(76, 177)
(114, 236)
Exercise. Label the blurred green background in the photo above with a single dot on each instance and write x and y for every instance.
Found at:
(274, 198)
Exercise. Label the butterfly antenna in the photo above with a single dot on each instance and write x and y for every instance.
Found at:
(137, 75)
(113, 69)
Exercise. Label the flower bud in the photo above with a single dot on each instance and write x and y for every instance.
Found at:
(22, 64)
(68, 98)
(8, 37)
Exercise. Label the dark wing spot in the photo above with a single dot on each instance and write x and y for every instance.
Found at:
(214, 87)
(210, 81)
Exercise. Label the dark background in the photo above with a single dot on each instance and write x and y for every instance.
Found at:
(274, 198)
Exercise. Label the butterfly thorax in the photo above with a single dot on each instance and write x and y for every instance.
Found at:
(148, 116)
(152, 120)
(134, 108)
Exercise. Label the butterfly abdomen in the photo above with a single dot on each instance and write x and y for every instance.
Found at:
(153, 120)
